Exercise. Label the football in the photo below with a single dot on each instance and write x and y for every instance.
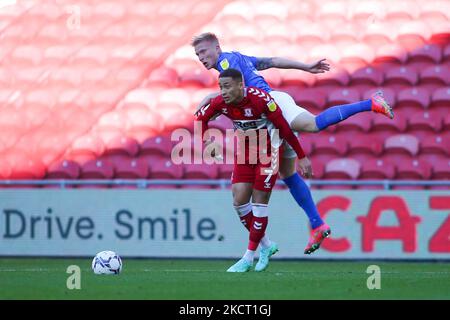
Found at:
(107, 262)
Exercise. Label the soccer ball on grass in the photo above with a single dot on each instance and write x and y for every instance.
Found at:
(107, 262)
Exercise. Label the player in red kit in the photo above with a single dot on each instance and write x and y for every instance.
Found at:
(251, 109)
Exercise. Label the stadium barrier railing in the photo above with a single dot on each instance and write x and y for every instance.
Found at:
(221, 183)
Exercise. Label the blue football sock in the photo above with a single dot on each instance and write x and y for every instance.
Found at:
(337, 114)
(302, 196)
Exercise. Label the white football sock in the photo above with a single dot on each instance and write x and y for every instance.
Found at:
(249, 255)
(265, 242)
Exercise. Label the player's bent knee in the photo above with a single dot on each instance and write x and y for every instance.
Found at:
(260, 196)
(287, 167)
(305, 122)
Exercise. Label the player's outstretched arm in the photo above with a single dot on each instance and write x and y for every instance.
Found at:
(320, 66)
(206, 100)
(274, 114)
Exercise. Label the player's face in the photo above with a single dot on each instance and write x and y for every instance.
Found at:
(232, 91)
(208, 53)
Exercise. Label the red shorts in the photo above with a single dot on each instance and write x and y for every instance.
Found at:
(255, 174)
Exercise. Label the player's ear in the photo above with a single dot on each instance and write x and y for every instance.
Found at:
(241, 84)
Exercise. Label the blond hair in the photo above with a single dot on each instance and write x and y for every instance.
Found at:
(207, 36)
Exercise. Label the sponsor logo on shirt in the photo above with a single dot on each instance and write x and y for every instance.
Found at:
(272, 106)
(224, 64)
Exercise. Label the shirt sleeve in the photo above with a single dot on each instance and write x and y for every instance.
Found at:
(206, 113)
(275, 115)
(253, 60)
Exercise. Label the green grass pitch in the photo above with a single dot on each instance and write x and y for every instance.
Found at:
(207, 280)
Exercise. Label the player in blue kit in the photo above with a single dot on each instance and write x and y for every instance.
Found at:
(210, 54)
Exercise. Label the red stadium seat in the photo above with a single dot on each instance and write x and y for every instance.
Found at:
(402, 146)
(441, 170)
(97, 169)
(9, 135)
(400, 78)
(364, 10)
(273, 77)
(401, 12)
(112, 121)
(318, 168)
(377, 34)
(40, 100)
(446, 54)
(440, 99)
(390, 55)
(413, 34)
(95, 76)
(342, 169)
(310, 98)
(424, 56)
(200, 171)
(446, 126)
(385, 127)
(128, 77)
(25, 167)
(176, 96)
(412, 99)
(163, 76)
(427, 122)
(435, 144)
(125, 107)
(58, 54)
(343, 96)
(368, 76)
(26, 55)
(131, 169)
(291, 77)
(332, 53)
(143, 124)
(121, 146)
(434, 77)
(65, 169)
(337, 76)
(66, 76)
(5, 168)
(364, 146)
(432, 11)
(87, 145)
(331, 145)
(312, 35)
(377, 169)
(440, 32)
(89, 56)
(344, 36)
(361, 122)
(163, 168)
(198, 77)
(157, 145)
(356, 56)
(174, 117)
(413, 170)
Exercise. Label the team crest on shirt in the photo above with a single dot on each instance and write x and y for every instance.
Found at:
(272, 105)
(224, 64)
(248, 112)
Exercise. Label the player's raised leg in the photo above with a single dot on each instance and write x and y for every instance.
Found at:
(302, 195)
(306, 121)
